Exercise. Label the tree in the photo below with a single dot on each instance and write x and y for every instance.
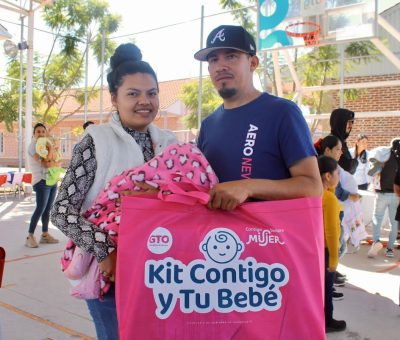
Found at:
(9, 95)
(82, 21)
(73, 23)
(210, 101)
(321, 66)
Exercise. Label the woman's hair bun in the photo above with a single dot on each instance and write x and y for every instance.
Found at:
(123, 53)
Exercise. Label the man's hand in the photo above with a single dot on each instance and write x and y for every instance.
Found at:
(228, 195)
(354, 197)
(108, 266)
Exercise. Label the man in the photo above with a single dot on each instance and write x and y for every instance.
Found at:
(341, 122)
(259, 145)
(387, 197)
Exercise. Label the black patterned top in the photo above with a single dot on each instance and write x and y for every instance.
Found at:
(144, 141)
(77, 182)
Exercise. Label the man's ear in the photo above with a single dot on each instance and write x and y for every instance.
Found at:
(254, 62)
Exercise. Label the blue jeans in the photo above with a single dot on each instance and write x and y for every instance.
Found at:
(104, 315)
(45, 196)
(383, 201)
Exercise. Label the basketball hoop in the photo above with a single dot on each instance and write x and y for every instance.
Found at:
(307, 30)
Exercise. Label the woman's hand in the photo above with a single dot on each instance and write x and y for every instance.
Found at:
(108, 266)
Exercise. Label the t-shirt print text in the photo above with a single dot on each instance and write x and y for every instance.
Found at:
(248, 149)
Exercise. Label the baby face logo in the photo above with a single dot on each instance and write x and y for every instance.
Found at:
(221, 245)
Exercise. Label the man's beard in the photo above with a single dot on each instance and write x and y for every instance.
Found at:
(227, 93)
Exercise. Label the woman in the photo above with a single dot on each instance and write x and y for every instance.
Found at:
(360, 152)
(128, 140)
(45, 194)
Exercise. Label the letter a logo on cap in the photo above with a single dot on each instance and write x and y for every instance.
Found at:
(220, 35)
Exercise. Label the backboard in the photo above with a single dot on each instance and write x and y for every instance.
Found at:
(299, 23)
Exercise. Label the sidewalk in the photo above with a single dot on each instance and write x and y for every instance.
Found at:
(35, 304)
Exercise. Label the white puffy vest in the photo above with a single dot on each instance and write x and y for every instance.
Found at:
(116, 151)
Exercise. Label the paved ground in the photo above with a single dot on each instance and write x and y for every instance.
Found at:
(35, 304)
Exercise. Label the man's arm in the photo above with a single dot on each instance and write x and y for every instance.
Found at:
(396, 189)
(396, 184)
(305, 182)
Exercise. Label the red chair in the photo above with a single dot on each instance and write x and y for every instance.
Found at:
(27, 178)
(3, 180)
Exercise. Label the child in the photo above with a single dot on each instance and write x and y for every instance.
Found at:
(329, 172)
(47, 151)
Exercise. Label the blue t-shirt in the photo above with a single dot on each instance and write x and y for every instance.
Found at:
(261, 139)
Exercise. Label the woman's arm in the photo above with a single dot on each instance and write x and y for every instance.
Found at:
(66, 210)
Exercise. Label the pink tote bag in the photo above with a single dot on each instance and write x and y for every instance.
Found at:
(187, 272)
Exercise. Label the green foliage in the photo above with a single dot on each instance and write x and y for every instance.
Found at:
(8, 107)
(80, 95)
(9, 94)
(190, 97)
(72, 22)
(241, 13)
(321, 66)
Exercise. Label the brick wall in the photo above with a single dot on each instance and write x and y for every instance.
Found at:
(374, 99)
(380, 130)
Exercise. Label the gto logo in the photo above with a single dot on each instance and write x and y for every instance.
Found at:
(158, 238)
(159, 241)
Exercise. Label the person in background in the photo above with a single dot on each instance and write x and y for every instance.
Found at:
(86, 124)
(360, 152)
(341, 122)
(128, 140)
(331, 208)
(266, 133)
(396, 189)
(331, 146)
(386, 198)
(45, 194)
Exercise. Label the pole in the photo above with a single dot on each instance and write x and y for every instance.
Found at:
(29, 81)
(201, 70)
(21, 78)
(86, 76)
(103, 47)
(341, 47)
